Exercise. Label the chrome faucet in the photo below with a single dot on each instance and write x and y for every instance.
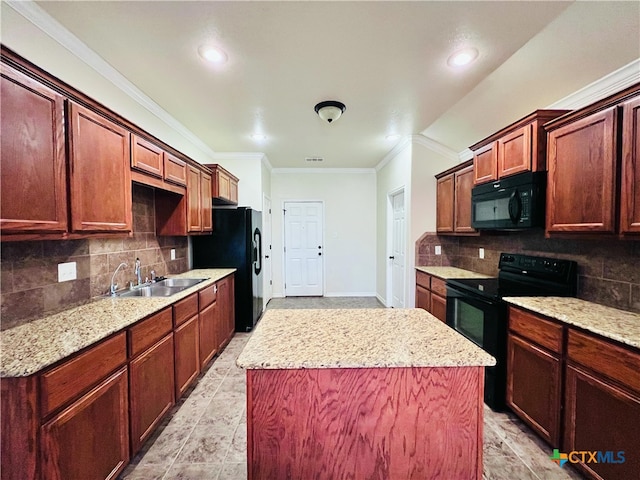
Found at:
(138, 271)
(114, 286)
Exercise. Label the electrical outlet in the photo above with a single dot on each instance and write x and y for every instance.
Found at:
(173, 254)
(67, 271)
(481, 252)
(438, 250)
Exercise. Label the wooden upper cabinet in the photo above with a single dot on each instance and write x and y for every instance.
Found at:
(445, 189)
(517, 148)
(146, 156)
(224, 185)
(100, 173)
(581, 183)
(194, 218)
(514, 152)
(630, 184)
(33, 156)
(462, 213)
(175, 170)
(205, 199)
(485, 164)
(453, 200)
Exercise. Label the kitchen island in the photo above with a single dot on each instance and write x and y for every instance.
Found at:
(362, 393)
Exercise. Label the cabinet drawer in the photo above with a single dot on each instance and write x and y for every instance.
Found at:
(543, 332)
(185, 309)
(423, 279)
(207, 296)
(65, 382)
(439, 286)
(175, 170)
(604, 357)
(144, 334)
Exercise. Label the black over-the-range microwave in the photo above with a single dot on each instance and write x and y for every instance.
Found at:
(513, 202)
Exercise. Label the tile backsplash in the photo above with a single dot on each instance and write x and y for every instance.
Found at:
(608, 268)
(29, 285)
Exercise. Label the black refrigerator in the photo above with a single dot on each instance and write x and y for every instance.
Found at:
(236, 242)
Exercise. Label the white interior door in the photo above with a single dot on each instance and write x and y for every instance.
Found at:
(303, 248)
(397, 250)
(266, 250)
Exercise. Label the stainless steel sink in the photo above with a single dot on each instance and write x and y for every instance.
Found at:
(164, 288)
(180, 282)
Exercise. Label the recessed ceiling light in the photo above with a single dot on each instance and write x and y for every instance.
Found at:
(258, 137)
(392, 137)
(212, 54)
(462, 57)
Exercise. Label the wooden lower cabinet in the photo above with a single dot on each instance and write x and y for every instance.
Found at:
(534, 381)
(152, 389)
(431, 295)
(208, 333)
(439, 307)
(601, 416)
(187, 354)
(423, 298)
(90, 438)
(226, 318)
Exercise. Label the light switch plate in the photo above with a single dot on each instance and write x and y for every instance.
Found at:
(67, 271)
(438, 250)
(173, 254)
(481, 252)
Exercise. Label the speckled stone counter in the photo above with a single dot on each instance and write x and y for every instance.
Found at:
(327, 392)
(357, 338)
(30, 348)
(451, 272)
(606, 321)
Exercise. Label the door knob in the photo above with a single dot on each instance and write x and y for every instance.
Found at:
(319, 254)
(391, 257)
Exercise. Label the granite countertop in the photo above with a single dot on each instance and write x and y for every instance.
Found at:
(451, 272)
(357, 338)
(30, 348)
(609, 322)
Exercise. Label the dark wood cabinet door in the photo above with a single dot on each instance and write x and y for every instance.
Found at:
(33, 156)
(175, 170)
(630, 183)
(514, 152)
(485, 164)
(100, 174)
(89, 439)
(206, 205)
(423, 298)
(462, 214)
(194, 198)
(581, 187)
(534, 379)
(226, 320)
(600, 416)
(445, 190)
(152, 389)
(187, 349)
(233, 191)
(438, 307)
(230, 309)
(146, 157)
(208, 334)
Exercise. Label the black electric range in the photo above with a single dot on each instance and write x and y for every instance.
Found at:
(476, 310)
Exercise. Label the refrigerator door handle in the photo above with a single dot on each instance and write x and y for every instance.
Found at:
(257, 251)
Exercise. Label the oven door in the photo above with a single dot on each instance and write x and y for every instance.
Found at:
(484, 322)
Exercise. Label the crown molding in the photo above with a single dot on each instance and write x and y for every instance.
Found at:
(323, 170)
(262, 157)
(465, 155)
(608, 85)
(47, 24)
(394, 152)
(435, 146)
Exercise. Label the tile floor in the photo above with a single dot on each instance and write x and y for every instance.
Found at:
(204, 436)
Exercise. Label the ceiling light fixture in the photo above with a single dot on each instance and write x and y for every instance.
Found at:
(463, 57)
(330, 110)
(212, 54)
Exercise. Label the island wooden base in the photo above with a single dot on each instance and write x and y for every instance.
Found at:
(382, 423)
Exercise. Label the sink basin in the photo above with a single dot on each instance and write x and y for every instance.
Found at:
(164, 288)
(180, 282)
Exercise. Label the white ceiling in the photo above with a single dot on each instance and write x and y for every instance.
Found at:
(385, 60)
